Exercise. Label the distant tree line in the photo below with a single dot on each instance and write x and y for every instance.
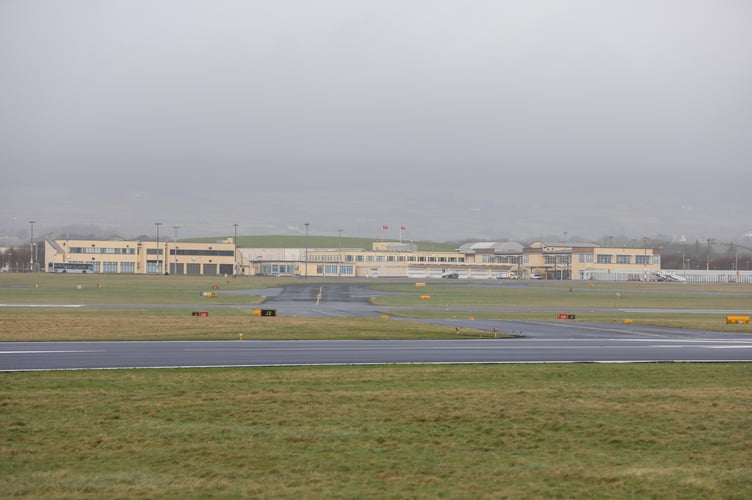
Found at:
(707, 254)
(18, 259)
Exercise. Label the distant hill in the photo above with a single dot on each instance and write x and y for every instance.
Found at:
(276, 241)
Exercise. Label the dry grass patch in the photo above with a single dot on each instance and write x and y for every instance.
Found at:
(152, 324)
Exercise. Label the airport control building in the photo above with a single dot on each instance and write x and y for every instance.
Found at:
(482, 260)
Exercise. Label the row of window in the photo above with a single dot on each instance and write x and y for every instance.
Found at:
(334, 269)
(202, 253)
(97, 250)
(558, 259)
(112, 267)
(397, 258)
(627, 259)
(500, 259)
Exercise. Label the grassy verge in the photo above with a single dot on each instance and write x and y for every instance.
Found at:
(709, 322)
(43, 288)
(591, 431)
(170, 324)
(616, 295)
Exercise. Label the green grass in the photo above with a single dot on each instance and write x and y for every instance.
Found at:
(492, 431)
(697, 321)
(124, 289)
(599, 302)
(615, 295)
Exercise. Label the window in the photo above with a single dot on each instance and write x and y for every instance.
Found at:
(657, 260)
(586, 258)
(642, 259)
(604, 259)
(109, 267)
(346, 270)
(205, 253)
(623, 259)
(127, 267)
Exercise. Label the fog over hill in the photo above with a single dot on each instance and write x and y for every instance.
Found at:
(427, 216)
(456, 120)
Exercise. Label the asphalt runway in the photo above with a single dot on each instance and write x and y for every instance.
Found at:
(533, 342)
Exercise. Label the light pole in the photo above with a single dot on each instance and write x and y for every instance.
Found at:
(339, 268)
(707, 263)
(157, 224)
(31, 246)
(645, 257)
(235, 251)
(305, 261)
(175, 271)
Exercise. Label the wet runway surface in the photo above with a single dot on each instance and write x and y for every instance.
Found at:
(533, 341)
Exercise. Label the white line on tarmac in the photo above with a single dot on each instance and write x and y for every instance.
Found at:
(47, 352)
(41, 305)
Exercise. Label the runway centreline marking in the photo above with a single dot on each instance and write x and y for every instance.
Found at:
(41, 305)
(50, 352)
(437, 348)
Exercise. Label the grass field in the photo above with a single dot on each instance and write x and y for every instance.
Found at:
(506, 431)
(599, 302)
(137, 324)
(487, 431)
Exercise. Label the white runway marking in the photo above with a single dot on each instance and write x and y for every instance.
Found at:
(41, 305)
(47, 352)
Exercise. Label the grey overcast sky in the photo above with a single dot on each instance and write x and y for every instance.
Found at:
(456, 119)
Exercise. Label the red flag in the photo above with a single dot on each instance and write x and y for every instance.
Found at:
(384, 227)
(403, 228)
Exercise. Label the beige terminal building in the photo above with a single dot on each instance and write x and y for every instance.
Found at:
(484, 260)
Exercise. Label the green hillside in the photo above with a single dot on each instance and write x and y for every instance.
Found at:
(314, 241)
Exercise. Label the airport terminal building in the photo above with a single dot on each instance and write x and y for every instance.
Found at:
(482, 260)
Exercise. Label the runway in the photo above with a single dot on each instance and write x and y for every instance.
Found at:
(25, 356)
(533, 342)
